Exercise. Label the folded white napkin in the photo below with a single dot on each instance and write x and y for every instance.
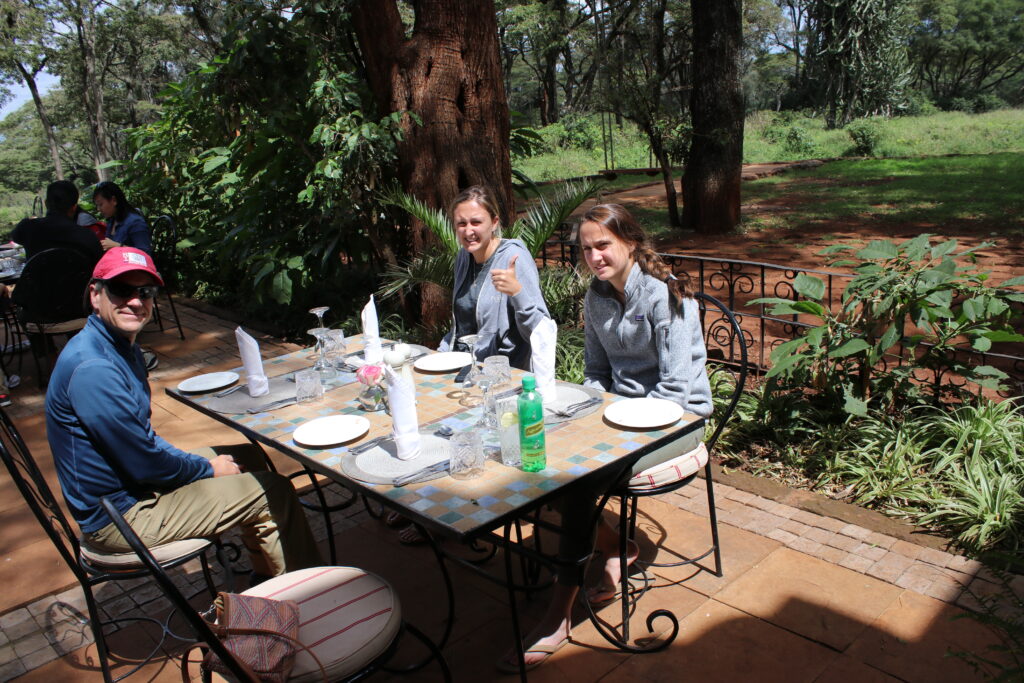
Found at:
(404, 422)
(543, 341)
(253, 363)
(371, 334)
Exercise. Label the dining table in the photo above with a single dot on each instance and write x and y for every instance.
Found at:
(485, 510)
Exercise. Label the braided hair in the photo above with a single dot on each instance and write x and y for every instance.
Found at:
(619, 222)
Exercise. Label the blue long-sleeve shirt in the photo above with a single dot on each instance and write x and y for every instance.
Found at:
(98, 425)
(133, 231)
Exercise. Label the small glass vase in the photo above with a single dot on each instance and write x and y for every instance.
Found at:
(373, 399)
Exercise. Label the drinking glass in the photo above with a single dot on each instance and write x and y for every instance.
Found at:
(470, 341)
(335, 343)
(322, 365)
(308, 386)
(507, 415)
(498, 368)
(467, 460)
(488, 420)
(319, 313)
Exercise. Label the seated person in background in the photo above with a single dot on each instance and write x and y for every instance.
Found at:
(98, 425)
(58, 227)
(93, 224)
(643, 338)
(125, 225)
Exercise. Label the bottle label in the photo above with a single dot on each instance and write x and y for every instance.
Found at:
(530, 431)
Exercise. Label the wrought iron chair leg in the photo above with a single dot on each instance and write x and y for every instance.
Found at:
(713, 517)
(174, 314)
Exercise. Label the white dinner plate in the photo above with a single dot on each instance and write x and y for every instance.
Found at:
(443, 362)
(643, 413)
(331, 430)
(208, 382)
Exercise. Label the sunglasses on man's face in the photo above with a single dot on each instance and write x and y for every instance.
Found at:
(123, 290)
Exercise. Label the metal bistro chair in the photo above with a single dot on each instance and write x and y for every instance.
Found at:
(165, 255)
(49, 297)
(90, 566)
(721, 327)
(351, 619)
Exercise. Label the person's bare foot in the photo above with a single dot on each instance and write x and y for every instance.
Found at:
(544, 640)
(609, 586)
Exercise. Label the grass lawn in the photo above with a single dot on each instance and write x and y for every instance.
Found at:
(938, 191)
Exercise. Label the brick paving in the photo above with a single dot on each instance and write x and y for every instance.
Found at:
(48, 626)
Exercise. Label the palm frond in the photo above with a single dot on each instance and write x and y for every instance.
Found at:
(436, 268)
(544, 217)
(435, 219)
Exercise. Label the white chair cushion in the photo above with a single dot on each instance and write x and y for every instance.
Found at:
(677, 468)
(165, 553)
(348, 617)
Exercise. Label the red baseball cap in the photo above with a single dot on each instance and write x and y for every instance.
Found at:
(121, 260)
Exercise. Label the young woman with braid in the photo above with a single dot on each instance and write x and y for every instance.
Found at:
(643, 338)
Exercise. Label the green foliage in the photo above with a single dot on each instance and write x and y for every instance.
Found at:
(563, 290)
(269, 157)
(866, 136)
(569, 362)
(911, 300)
(438, 266)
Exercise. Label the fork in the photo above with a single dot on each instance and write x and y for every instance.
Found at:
(367, 445)
(574, 408)
(222, 394)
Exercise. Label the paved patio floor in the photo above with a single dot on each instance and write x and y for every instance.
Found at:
(805, 596)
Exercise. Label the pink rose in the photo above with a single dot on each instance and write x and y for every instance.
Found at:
(370, 375)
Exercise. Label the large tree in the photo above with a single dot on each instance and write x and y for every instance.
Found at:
(444, 76)
(711, 182)
(24, 52)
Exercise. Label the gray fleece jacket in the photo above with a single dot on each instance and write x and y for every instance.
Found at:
(642, 349)
(504, 322)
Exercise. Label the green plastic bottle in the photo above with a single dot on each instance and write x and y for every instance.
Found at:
(531, 427)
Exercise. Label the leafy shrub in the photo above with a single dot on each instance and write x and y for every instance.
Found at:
(988, 102)
(911, 301)
(798, 141)
(865, 135)
(569, 363)
(918, 104)
(963, 104)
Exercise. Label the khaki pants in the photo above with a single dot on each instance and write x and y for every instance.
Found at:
(273, 524)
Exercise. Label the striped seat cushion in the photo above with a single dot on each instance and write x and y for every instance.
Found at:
(348, 617)
(679, 467)
(168, 552)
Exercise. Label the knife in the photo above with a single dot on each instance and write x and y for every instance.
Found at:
(273, 405)
(425, 473)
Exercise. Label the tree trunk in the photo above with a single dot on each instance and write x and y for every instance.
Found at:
(44, 119)
(83, 14)
(711, 182)
(446, 80)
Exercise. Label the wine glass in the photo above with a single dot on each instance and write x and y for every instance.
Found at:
(319, 311)
(470, 340)
(322, 364)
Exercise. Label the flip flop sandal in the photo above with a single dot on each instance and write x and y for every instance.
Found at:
(512, 667)
(410, 535)
(394, 519)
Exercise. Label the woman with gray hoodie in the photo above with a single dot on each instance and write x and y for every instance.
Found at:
(643, 338)
(497, 289)
(496, 296)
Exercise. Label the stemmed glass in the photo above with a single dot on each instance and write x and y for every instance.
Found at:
(322, 364)
(470, 341)
(318, 311)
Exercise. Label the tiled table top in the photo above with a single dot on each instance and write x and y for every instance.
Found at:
(456, 507)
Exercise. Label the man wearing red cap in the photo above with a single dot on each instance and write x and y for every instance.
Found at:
(98, 424)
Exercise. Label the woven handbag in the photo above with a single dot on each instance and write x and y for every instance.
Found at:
(261, 634)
